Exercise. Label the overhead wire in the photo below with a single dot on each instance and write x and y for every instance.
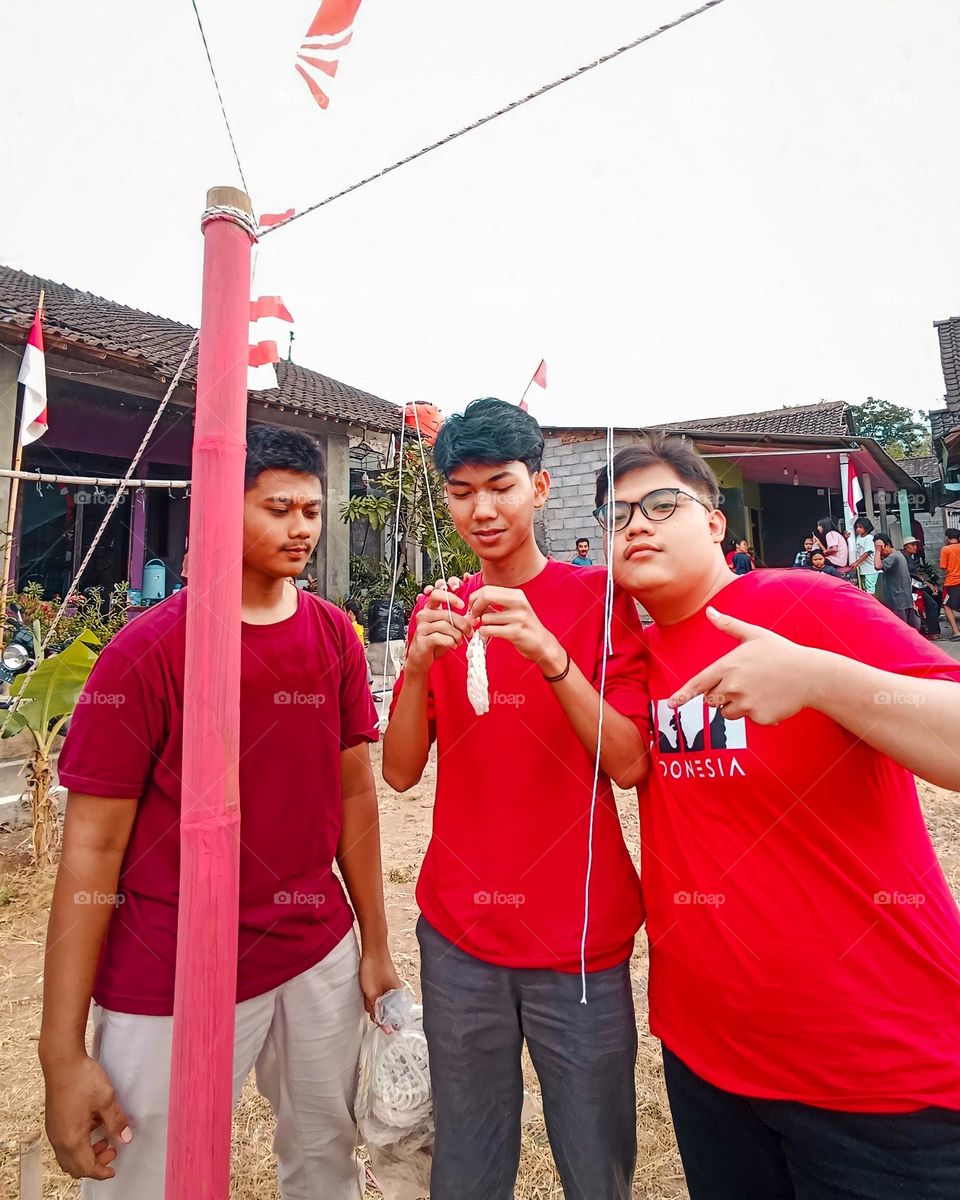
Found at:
(223, 107)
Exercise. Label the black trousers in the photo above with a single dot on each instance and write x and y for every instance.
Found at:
(737, 1148)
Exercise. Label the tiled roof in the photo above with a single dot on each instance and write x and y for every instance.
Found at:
(159, 343)
(924, 468)
(949, 335)
(827, 417)
(942, 420)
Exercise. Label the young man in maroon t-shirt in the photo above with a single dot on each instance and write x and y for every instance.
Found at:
(804, 943)
(307, 795)
(525, 883)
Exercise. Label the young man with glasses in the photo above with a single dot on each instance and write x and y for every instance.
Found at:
(503, 890)
(804, 943)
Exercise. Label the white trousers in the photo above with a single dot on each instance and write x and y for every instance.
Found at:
(304, 1040)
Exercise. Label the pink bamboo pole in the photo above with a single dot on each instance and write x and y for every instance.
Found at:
(198, 1127)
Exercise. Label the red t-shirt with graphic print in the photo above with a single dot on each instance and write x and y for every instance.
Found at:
(303, 699)
(804, 943)
(505, 869)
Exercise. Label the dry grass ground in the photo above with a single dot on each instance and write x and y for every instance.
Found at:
(24, 900)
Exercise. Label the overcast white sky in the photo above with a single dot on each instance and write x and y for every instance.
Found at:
(761, 207)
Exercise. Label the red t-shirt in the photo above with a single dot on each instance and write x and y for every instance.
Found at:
(303, 699)
(804, 944)
(505, 869)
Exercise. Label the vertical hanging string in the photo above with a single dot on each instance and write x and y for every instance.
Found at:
(395, 556)
(606, 650)
(433, 515)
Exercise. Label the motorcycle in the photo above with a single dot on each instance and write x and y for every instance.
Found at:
(20, 652)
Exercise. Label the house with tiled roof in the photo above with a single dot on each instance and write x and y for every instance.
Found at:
(108, 366)
(779, 469)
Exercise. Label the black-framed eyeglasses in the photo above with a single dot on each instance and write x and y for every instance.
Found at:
(658, 505)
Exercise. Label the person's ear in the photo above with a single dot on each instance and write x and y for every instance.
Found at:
(717, 524)
(541, 488)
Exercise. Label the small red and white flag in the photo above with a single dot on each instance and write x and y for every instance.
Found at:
(268, 219)
(854, 490)
(539, 378)
(319, 55)
(268, 318)
(33, 376)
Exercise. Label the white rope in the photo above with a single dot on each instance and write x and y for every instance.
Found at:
(121, 492)
(394, 557)
(228, 212)
(478, 688)
(607, 649)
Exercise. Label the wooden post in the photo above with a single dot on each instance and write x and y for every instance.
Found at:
(31, 1167)
(201, 1082)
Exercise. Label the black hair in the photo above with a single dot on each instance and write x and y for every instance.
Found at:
(866, 524)
(271, 448)
(661, 449)
(579, 540)
(952, 533)
(814, 553)
(488, 431)
(883, 537)
(352, 607)
(828, 524)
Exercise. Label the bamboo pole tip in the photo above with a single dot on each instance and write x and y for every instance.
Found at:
(229, 197)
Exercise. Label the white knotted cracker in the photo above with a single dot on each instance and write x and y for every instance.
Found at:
(478, 689)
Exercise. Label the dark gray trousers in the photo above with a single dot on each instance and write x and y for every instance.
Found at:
(476, 1016)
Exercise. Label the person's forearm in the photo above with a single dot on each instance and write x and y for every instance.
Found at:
(83, 902)
(913, 721)
(406, 743)
(623, 754)
(358, 857)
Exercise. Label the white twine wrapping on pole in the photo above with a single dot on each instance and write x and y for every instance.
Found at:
(478, 688)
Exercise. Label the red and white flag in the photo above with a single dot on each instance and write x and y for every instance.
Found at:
(270, 320)
(540, 379)
(33, 376)
(854, 490)
(319, 55)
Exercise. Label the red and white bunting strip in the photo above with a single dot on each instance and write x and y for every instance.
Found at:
(33, 376)
(270, 320)
(319, 55)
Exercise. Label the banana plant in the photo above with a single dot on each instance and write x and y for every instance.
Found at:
(45, 700)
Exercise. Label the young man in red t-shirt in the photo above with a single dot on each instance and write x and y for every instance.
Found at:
(307, 795)
(804, 943)
(525, 882)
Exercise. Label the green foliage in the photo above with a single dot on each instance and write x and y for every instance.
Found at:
(48, 695)
(86, 613)
(896, 428)
(446, 550)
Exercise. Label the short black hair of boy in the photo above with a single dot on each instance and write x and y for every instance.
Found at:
(883, 537)
(952, 535)
(662, 449)
(488, 431)
(271, 448)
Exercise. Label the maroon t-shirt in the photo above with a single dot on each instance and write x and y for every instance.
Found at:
(303, 699)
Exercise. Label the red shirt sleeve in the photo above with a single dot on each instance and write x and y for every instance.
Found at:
(117, 729)
(625, 686)
(358, 714)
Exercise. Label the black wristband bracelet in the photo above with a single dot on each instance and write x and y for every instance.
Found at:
(563, 674)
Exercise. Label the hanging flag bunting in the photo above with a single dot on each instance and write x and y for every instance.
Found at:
(268, 219)
(319, 55)
(33, 376)
(265, 332)
(854, 490)
(539, 378)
